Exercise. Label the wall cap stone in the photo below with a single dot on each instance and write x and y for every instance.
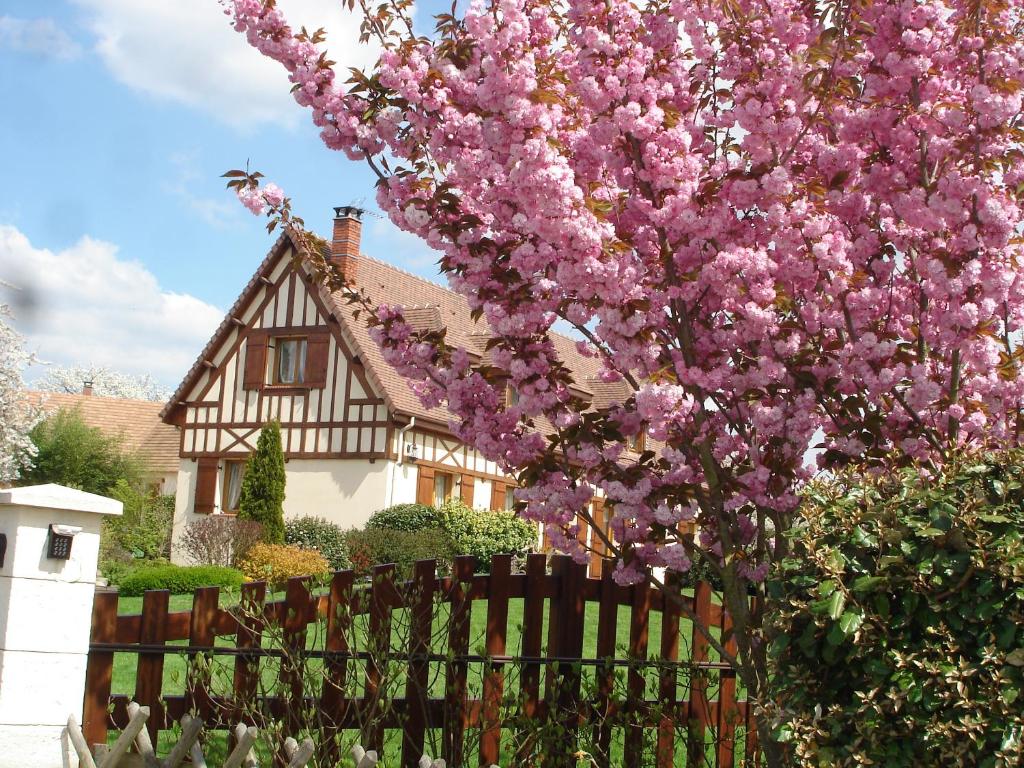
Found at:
(55, 496)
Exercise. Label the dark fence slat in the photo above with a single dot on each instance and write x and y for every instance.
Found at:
(728, 713)
(333, 702)
(421, 615)
(533, 628)
(639, 629)
(668, 675)
(607, 627)
(494, 677)
(699, 718)
(249, 635)
(201, 634)
(453, 742)
(378, 643)
(294, 623)
(150, 671)
(99, 671)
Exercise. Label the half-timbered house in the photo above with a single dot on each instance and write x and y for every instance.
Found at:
(356, 439)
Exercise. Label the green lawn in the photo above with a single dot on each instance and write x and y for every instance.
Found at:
(175, 664)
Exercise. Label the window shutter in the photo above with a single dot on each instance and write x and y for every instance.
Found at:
(206, 486)
(255, 360)
(318, 347)
(468, 486)
(425, 486)
(497, 495)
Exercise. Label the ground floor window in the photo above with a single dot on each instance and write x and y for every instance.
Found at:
(234, 471)
(444, 487)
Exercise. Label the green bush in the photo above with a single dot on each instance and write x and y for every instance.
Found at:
(70, 452)
(376, 546)
(143, 530)
(405, 517)
(321, 535)
(177, 578)
(484, 533)
(899, 631)
(262, 496)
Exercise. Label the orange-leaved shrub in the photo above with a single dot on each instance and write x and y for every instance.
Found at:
(276, 563)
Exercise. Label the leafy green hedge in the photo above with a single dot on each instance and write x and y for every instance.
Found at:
(900, 631)
(374, 546)
(405, 517)
(178, 579)
(321, 535)
(484, 533)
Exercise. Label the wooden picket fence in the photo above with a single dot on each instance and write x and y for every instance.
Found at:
(661, 689)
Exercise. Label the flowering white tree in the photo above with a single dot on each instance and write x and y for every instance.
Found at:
(105, 382)
(17, 415)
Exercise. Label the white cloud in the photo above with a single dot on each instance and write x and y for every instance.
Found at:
(186, 51)
(41, 37)
(86, 305)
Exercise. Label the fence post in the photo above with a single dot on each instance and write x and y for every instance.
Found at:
(565, 640)
(494, 675)
(417, 692)
(456, 689)
(47, 583)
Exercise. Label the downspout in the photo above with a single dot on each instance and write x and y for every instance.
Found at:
(401, 457)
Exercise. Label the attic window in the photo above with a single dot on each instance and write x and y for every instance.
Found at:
(637, 442)
(511, 396)
(289, 366)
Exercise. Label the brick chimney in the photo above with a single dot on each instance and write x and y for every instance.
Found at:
(87, 388)
(348, 226)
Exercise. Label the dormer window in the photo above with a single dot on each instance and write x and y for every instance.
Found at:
(511, 396)
(289, 367)
(637, 442)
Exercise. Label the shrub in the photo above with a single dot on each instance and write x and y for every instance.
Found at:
(484, 533)
(262, 496)
(70, 452)
(321, 535)
(178, 579)
(219, 539)
(899, 632)
(405, 517)
(143, 530)
(276, 563)
(375, 546)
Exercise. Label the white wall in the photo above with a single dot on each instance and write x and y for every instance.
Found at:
(345, 491)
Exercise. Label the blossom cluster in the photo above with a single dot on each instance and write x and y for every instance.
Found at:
(257, 198)
(793, 227)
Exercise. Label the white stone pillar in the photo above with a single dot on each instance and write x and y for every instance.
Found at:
(45, 617)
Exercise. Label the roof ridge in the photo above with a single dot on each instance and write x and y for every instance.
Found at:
(44, 392)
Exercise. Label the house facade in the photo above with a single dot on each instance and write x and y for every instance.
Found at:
(355, 437)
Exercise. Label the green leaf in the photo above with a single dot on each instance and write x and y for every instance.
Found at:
(851, 621)
(836, 605)
(867, 583)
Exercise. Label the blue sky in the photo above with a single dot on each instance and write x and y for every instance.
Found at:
(119, 117)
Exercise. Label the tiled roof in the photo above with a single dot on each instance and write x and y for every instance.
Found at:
(428, 306)
(136, 422)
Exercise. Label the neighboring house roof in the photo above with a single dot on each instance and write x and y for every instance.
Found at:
(428, 306)
(136, 422)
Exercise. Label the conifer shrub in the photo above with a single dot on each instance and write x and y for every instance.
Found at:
(262, 494)
(898, 620)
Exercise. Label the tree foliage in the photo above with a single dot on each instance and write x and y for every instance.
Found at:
(72, 453)
(105, 382)
(17, 416)
(262, 495)
(769, 222)
(900, 621)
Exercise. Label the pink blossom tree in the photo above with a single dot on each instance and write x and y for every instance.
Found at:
(780, 226)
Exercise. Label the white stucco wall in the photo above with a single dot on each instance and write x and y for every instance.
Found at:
(345, 491)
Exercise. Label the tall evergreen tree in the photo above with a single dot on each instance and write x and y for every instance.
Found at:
(262, 496)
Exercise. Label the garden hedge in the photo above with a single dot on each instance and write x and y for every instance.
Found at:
(899, 634)
(178, 579)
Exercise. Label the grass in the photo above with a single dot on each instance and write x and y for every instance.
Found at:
(175, 664)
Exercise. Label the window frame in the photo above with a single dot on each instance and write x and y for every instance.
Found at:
(298, 364)
(225, 484)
